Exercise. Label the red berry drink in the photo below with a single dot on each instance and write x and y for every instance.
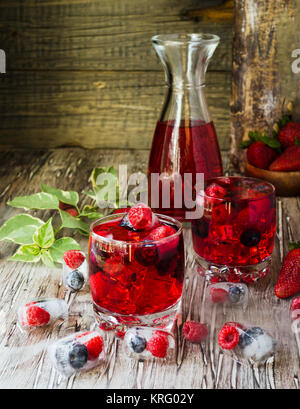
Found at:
(235, 237)
(136, 269)
(188, 148)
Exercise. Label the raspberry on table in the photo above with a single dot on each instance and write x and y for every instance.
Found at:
(228, 337)
(158, 346)
(194, 331)
(73, 258)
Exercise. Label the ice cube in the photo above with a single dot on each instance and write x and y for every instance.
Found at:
(228, 293)
(78, 352)
(75, 274)
(148, 343)
(42, 312)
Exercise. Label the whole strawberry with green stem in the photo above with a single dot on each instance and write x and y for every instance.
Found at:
(288, 282)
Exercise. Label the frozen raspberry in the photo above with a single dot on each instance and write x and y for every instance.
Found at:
(158, 345)
(228, 337)
(94, 345)
(140, 216)
(218, 295)
(73, 258)
(194, 331)
(216, 191)
(36, 316)
(295, 308)
(161, 232)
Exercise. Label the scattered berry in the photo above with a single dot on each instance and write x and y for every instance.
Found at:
(235, 294)
(288, 282)
(250, 237)
(75, 280)
(78, 356)
(295, 308)
(140, 216)
(228, 337)
(260, 155)
(158, 346)
(73, 258)
(146, 254)
(289, 134)
(218, 295)
(94, 345)
(194, 331)
(288, 161)
(36, 316)
(138, 343)
(216, 191)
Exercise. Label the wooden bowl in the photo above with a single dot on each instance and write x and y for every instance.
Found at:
(286, 183)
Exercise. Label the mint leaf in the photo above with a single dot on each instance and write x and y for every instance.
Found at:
(245, 144)
(69, 197)
(36, 201)
(20, 229)
(295, 245)
(28, 253)
(44, 236)
(59, 247)
(74, 223)
(47, 259)
(90, 212)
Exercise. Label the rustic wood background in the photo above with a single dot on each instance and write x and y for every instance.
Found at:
(84, 72)
(194, 366)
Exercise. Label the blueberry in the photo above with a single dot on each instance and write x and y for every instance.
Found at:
(200, 228)
(235, 294)
(78, 356)
(146, 254)
(250, 237)
(75, 280)
(247, 337)
(138, 344)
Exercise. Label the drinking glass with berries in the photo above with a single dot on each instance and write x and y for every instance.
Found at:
(234, 239)
(136, 269)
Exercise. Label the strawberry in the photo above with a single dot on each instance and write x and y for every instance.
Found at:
(140, 216)
(288, 161)
(228, 337)
(288, 135)
(288, 282)
(93, 343)
(73, 258)
(194, 331)
(36, 316)
(260, 155)
(295, 308)
(158, 345)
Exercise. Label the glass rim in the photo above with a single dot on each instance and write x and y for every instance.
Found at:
(234, 199)
(101, 220)
(186, 38)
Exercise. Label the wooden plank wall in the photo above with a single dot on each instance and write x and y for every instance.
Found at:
(84, 72)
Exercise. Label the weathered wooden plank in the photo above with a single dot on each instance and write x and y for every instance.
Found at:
(196, 366)
(100, 35)
(94, 109)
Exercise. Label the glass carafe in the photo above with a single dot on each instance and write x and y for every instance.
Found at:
(185, 140)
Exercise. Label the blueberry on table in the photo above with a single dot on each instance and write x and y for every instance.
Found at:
(250, 237)
(235, 294)
(138, 344)
(75, 280)
(78, 356)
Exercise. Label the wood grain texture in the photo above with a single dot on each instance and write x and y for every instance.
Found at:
(195, 366)
(84, 72)
(94, 109)
(257, 97)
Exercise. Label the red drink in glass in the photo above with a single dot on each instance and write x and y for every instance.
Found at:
(197, 151)
(235, 237)
(133, 280)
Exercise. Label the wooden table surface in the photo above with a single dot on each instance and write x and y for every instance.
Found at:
(195, 366)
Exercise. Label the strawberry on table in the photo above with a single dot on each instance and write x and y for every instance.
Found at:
(288, 282)
(289, 134)
(288, 161)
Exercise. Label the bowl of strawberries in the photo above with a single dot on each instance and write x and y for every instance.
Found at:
(277, 158)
